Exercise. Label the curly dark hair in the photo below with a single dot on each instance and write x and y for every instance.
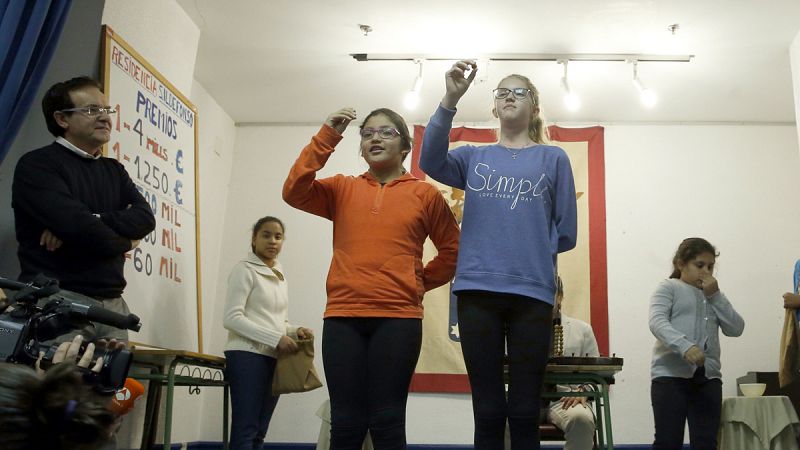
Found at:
(57, 411)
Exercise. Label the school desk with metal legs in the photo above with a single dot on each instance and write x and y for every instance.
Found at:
(173, 368)
(598, 377)
(597, 373)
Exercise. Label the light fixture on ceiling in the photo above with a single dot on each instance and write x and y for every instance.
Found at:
(411, 99)
(646, 95)
(366, 29)
(619, 57)
(571, 99)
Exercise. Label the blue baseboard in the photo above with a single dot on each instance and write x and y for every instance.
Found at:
(313, 446)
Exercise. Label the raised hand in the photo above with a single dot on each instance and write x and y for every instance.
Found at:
(340, 119)
(710, 285)
(457, 82)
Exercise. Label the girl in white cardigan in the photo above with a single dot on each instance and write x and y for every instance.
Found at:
(257, 320)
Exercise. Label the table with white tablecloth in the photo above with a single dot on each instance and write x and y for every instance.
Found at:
(751, 423)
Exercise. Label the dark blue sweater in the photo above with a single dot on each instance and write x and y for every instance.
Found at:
(58, 190)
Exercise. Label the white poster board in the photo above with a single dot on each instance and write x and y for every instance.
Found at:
(155, 138)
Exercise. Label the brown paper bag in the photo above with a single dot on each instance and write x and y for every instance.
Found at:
(295, 372)
(789, 351)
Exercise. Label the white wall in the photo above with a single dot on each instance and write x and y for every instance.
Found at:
(161, 32)
(217, 140)
(794, 57)
(734, 185)
(731, 184)
(164, 35)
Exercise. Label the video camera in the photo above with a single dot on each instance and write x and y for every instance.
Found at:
(27, 325)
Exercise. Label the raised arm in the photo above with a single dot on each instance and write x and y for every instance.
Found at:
(730, 322)
(301, 189)
(444, 233)
(435, 159)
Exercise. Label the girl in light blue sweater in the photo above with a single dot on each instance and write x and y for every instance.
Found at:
(686, 313)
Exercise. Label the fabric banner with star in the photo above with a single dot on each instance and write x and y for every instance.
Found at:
(583, 269)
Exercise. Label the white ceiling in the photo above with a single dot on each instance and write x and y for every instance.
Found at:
(288, 61)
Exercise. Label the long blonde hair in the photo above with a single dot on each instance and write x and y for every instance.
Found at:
(536, 128)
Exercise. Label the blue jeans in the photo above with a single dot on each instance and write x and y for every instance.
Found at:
(368, 366)
(697, 400)
(252, 403)
(490, 323)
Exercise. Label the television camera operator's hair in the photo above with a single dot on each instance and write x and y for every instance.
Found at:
(56, 411)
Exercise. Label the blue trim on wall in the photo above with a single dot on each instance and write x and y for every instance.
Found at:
(179, 446)
(313, 446)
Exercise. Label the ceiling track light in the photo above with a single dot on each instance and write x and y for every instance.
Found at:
(411, 99)
(647, 96)
(571, 99)
(618, 57)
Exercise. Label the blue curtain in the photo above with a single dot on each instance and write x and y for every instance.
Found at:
(29, 32)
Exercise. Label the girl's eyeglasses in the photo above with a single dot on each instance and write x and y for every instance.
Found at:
(519, 93)
(382, 132)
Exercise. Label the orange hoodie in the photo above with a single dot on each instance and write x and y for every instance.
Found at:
(378, 234)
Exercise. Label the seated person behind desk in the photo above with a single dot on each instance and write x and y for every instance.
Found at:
(573, 415)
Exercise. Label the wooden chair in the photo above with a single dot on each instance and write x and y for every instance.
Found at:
(550, 432)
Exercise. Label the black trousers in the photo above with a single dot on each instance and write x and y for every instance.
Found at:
(697, 400)
(252, 403)
(368, 366)
(489, 324)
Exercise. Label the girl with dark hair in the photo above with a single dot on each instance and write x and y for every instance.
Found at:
(372, 330)
(257, 320)
(519, 214)
(686, 313)
(55, 410)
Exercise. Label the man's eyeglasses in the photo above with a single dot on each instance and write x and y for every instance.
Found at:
(382, 132)
(519, 93)
(92, 111)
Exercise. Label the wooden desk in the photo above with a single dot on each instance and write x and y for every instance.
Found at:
(751, 423)
(172, 368)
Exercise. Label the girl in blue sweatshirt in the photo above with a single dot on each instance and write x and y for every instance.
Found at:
(519, 214)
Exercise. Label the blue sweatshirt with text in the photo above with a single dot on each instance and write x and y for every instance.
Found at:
(519, 210)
